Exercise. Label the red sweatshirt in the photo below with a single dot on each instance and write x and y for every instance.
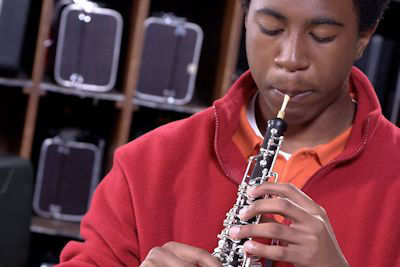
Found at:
(177, 182)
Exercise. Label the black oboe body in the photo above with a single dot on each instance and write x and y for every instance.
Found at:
(230, 252)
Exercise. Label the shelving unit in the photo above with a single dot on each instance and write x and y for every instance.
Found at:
(44, 101)
(37, 85)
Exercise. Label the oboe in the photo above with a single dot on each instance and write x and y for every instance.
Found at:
(230, 252)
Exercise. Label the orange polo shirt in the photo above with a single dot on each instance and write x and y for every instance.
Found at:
(301, 165)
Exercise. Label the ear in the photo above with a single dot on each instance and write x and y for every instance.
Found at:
(363, 41)
(246, 15)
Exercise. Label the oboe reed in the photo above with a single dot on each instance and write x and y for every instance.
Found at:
(281, 113)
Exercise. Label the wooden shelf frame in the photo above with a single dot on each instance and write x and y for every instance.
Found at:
(230, 40)
(140, 12)
(125, 100)
(37, 77)
(126, 103)
(56, 227)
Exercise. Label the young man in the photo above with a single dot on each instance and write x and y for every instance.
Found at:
(165, 199)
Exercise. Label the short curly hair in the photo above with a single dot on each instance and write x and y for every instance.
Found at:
(369, 11)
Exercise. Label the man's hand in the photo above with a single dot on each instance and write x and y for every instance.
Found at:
(310, 239)
(175, 255)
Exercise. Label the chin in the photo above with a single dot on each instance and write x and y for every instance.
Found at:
(299, 116)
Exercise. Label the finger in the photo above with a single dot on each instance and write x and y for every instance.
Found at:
(280, 189)
(286, 191)
(269, 230)
(160, 256)
(281, 206)
(192, 254)
(276, 253)
(268, 218)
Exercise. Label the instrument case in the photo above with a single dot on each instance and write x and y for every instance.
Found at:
(170, 60)
(68, 173)
(13, 20)
(88, 46)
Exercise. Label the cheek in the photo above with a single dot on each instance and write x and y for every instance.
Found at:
(331, 67)
(334, 78)
(335, 61)
(259, 55)
(253, 49)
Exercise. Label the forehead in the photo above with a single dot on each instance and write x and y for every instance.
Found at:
(337, 9)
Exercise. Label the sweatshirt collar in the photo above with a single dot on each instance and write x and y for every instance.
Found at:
(227, 111)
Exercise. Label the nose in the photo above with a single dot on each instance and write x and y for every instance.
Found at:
(292, 55)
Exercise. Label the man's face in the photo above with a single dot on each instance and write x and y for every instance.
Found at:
(303, 48)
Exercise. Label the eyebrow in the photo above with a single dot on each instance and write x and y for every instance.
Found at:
(317, 21)
(325, 20)
(271, 12)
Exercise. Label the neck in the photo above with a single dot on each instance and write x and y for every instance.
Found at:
(318, 130)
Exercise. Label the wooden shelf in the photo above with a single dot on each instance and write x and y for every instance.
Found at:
(190, 108)
(110, 96)
(15, 82)
(55, 227)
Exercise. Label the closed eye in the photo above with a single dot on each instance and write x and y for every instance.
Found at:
(270, 32)
(322, 39)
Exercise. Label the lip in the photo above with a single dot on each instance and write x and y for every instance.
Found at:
(295, 95)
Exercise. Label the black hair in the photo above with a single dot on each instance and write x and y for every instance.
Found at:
(369, 11)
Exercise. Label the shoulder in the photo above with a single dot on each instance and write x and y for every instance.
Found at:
(387, 130)
(387, 138)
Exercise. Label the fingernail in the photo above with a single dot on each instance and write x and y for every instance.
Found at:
(234, 230)
(243, 211)
(249, 246)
